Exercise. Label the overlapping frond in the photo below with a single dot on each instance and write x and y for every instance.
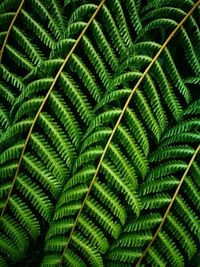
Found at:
(175, 242)
(99, 118)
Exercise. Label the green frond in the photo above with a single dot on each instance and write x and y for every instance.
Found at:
(88, 79)
(195, 171)
(165, 184)
(11, 78)
(3, 262)
(172, 152)
(113, 96)
(49, 157)
(102, 191)
(7, 5)
(168, 95)
(167, 169)
(4, 189)
(132, 7)
(90, 155)
(118, 264)
(35, 87)
(11, 153)
(18, 58)
(70, 258)
(33, 193)
(133, 151)
(155, 201)
(194, 108)
(72, 195)
(126, 77)
(56, 20)
(81, 11)
(155, 258)
(103, 118)
(82, 176)
(8, 170)
(37, 170)
(129, 193)
(113, 228)
(4, 118)
(87, 249)
(182, 138)
(77, 97)
(96, 61)
(94, 234)
(105, 46)
(7, 94)
(176, 79)
(147, 114)
(16, 233)
(61, 48)
(37, 29)
(25, 216)
(95, 137)
(170, 249)
(188, 215)
(32, 51)
(185, 127)
(67, 210)
(58, 138)
(112, 30)
(74, 29)
(121, 163)
(144, 222)
(132, 240)
(190, 52)
(99, 133)
(6, 17)
(181, 234)
(192, 80)
(138, 130)
(8, 248)
(192, 191)
(117, 10)
(14, 130)
(154, 98)
(60, 227)
(27, 108)
(125, 255)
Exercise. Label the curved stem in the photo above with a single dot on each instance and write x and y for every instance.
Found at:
(44, 102)
(169, 207)
(118, 122)
(9, 29)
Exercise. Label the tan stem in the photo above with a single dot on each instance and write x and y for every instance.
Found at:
(118, 122)
(169, 207)
(9, 29)
(44, 102)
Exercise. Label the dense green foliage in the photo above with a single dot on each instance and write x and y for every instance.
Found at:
(146, 158)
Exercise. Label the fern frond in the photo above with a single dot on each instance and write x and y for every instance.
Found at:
(16, 233)
(99, 133)
(170, 249)
(181, 234)
(25, 216)
(37, 29)
(108, 171)
(31, 49)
